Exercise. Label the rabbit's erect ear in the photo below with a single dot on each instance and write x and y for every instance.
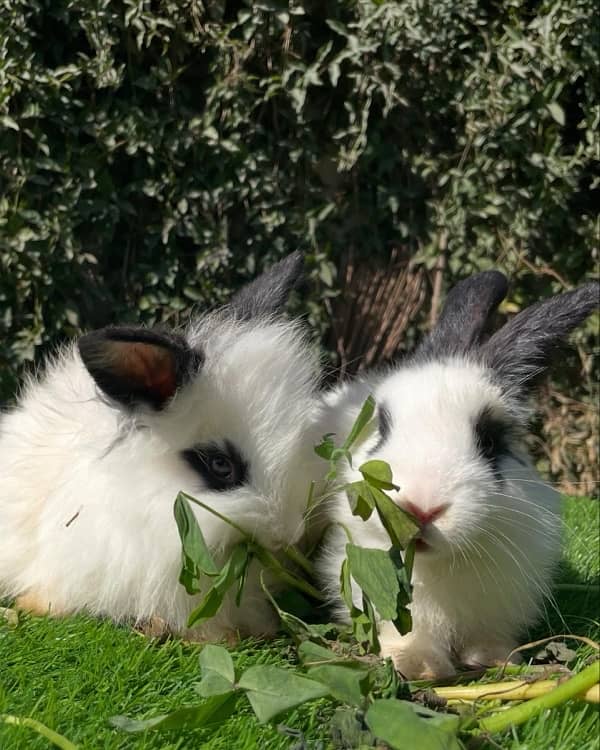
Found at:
(522, 349)
(268, 294)
(465, 315)
(134, 365)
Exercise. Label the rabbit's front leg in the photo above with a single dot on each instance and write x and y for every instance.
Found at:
(488, 653)
(38, 602)
(416, 655)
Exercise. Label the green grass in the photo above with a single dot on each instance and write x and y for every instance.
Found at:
(73, 674)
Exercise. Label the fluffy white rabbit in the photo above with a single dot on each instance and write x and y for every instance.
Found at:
(97, 448)
(451, 424)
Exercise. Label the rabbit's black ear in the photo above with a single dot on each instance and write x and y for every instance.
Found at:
(522, 349)
(465, 315)
(268, 293)
(133, 365)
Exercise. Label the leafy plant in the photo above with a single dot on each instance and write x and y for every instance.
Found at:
(375, 704)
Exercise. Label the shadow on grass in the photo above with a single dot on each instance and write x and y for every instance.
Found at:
(575, 608)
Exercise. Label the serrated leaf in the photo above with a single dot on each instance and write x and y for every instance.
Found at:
(378, 474)
(212, 711)
(401, 726)
(273, 690)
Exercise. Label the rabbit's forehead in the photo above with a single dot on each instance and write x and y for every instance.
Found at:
(439, 393)
(256, 385)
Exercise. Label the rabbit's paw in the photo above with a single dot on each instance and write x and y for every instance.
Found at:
(489, 654)
(37, 603)
(415, 657)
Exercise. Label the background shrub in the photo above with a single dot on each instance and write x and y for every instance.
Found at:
(153, 155)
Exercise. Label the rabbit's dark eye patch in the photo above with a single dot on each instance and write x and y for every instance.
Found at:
(221, 468)
(493, 439)
(385, 425)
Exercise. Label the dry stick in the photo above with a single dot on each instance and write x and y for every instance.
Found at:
(542, 641)
(516, 715)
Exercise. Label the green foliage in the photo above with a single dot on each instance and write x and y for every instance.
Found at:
(153, 156)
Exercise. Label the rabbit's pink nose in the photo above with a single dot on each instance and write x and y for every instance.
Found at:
(424, 516)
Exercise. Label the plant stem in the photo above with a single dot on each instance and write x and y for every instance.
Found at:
(505, 691)
(298, 557)
(591, 587)
(265, 557)
(572, 688)
(218, 515)
(270, 562)
(37, 726)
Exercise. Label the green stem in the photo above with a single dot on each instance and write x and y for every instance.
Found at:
(572, 688)
(300, 559)
(591, 587)
(40, 728)
(264, 556)
(269, 561)
(218, 515)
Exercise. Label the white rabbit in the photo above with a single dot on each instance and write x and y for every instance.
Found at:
(96, 450)
(451, 421)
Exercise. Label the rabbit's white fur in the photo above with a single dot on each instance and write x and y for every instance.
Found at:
(87, 488)
(490, 555)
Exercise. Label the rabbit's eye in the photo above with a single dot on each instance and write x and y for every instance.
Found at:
(385, 425)
(491, 437)
(220, 468)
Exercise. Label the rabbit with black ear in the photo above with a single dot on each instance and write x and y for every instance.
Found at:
(451, 424)
(96, 450)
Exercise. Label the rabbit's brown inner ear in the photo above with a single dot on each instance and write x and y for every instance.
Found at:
(149, 368)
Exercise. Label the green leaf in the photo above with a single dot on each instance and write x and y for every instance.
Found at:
(378, 474)
(348, 729)
(326, 447)
(361, 499)
(399, 525)
(364, 417)
(218, 675)
(346, 585)
(212, 711)
(557, 112)
(272, 690)
(234, 569)
(400, 725)
(375, 573)
(312, 653)
(196, 557)
(347, 683)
